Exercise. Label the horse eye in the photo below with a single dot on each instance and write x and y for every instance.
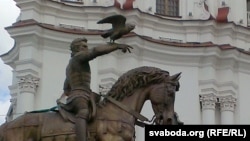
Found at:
(171, 94)
(174, 84)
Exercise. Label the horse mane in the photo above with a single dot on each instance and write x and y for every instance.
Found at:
(136, 78)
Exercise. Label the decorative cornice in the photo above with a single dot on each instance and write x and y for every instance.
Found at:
(29, 61)
(11, 55)
(66, 30)
(13, 101)
(180, 28)
(154, 50)
(208, 91)
(227, 103)
(208, 101)
(218, 88)
(114, 71)
(28, 84)
(163, 52)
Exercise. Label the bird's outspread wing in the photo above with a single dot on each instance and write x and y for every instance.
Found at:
(117, 21)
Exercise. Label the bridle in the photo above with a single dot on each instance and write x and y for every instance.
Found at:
(141, 120)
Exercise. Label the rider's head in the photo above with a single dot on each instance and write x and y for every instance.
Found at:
(77, 43)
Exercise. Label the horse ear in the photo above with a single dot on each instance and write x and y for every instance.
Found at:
(175, 77)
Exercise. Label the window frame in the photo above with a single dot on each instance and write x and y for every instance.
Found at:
(170, 8)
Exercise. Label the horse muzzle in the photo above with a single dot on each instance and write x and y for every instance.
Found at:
(166, 119)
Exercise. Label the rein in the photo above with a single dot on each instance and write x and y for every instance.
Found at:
(137, 115)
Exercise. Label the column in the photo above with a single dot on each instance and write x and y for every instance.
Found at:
(27, 86)
(208, 108)
(227, 107)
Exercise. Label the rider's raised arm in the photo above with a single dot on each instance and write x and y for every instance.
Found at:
(108, 48)
(101, 50)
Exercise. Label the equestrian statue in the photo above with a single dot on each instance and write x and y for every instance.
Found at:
(87, 117)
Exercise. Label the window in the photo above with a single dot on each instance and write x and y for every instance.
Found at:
(248, 5)
(167, 7)
(248, 12)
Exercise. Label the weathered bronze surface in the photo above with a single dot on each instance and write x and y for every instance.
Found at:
(77, 82)
(119, 27)
(112, 122)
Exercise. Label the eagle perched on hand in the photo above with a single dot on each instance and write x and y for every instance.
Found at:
(119, 27)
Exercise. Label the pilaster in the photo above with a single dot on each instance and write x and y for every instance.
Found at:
(227, 107)
(208, 108)
(227, 103)
(208, 101)
(27, 86)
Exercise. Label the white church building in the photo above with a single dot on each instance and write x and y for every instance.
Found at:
(207, 40)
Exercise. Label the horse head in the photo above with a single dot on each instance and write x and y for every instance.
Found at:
(136, 86)
(162, 98)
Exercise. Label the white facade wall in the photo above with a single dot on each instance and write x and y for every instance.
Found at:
(242, 116)
(190, 29)
(214, 83)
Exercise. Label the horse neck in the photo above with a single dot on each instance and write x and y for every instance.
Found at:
(137, 99)
(135, 102)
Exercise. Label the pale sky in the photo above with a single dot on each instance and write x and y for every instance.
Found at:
(8, 14)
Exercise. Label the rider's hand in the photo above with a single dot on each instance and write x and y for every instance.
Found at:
(124, 48)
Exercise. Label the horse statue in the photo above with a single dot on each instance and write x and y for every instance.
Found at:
(116, 114)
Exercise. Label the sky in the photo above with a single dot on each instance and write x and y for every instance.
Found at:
(8, 15)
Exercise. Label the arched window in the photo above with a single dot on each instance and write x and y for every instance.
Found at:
(167, 7)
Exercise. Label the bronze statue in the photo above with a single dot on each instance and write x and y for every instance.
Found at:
(116, 114)
(119, 27)
(77, 82)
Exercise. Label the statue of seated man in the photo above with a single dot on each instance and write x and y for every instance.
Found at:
(78, 77)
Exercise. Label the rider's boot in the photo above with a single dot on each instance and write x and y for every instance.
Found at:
(81, 131)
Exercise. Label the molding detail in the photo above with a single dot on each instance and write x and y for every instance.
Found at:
(28, 84)
(208, 101)
(104, 88)
(12, 109)
(227, 103)
(13, 101)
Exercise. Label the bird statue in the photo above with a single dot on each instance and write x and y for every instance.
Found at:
(119, 27)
